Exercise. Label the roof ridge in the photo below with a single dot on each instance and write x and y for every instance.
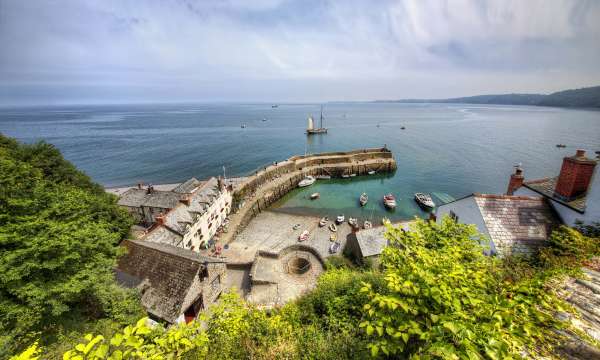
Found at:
(508, 197)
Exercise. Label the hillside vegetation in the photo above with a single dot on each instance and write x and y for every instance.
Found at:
(59, 235)
(585, 97)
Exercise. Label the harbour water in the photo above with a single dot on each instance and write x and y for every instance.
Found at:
(448, 150)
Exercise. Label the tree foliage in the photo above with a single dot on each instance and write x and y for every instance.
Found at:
(59, 235)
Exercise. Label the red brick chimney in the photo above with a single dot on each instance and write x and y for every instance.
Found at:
(160, 219)
(516, 180)
(575, 176)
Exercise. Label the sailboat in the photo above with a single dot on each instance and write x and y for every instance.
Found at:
(311, 130)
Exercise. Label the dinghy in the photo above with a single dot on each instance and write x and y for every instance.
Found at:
(367, 225)
(333, 237)
(303, 236)
(334, 247)
(315, 196)
(389, 201)
(323, 221)
(363, 199)
(352, 221)
(307, 181)
(371, 172)
(424, 200)
(332, 227)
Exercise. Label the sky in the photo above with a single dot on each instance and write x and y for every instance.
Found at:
(119, 51)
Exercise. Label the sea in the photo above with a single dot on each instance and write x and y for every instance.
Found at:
(446, 150)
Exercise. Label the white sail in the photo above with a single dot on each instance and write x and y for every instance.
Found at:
(310, 123)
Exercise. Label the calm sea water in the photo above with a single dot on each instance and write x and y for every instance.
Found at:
(446, 150)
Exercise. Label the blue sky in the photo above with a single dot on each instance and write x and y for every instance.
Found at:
(104, 51)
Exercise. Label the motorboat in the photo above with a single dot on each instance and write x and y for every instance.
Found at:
(340, 219)
(332, 227)
(352, 221)
(323, 177)
(367, 225)
(335, 247)
(323, 221)
(264, 119)
(389, 201)
(303, 236)
(561, 145)
(402, 128)
(352, 175)
(363, 199)
(307, 181)
(243, 126)
(372, 172)
(315, 196)
(345, 176)
(424, 200)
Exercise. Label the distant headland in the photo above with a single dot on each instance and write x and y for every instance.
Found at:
(588, 97)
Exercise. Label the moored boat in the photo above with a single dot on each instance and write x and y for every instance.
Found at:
(389, 201)
(334, 247)
(372, 172)
(304, 236)
(424, 200)
(561, 145)
(323, 177)
(340, 219)
(352, 175)
(307, 181)
(323, 221)
(352, 221)
(367, 225)
(363, 199)
(332, 227)
(345, 176)
(315, 196)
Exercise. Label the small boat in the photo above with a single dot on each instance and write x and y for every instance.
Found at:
(352, 175)
(389, 201)
(332, 227)
(323, 177)
(385, 221)
(315, 196)
(264, 119)
(323, 221)
(335, 247)
(333, 237)
(353, 222)
(243, 126)
(561, 145)
(307, 181)
(340, 219)
(377, 125)
(363, 199)
(424, 200)
(367, 225)
(274, 106)
(303, 236)
(296, 227)
(345, 176)
(402, 128)
(372, 172)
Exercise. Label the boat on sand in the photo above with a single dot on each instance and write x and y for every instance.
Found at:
(323, 221)
(332, 227)
(340, 219)
(367, 225)
(303, 236)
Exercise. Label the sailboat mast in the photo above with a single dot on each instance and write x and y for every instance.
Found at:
(321, 117)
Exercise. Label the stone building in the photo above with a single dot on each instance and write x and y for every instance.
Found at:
(514, 224)
(366, 244)
(175, 284)
(574, 194)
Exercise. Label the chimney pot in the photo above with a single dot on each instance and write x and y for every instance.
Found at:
(575, 176)
(186, 200)
(160, 219)
(516, 180)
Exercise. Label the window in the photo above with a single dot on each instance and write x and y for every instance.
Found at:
(453, 216)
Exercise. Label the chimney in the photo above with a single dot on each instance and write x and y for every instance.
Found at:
(516, 180)
(160, 219)
(186, 199)
(575, 176)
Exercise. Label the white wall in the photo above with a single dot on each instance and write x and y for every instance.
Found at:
(192, 237)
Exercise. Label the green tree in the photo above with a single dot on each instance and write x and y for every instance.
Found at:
(59, 236)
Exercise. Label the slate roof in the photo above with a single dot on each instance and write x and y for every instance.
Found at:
(545, 187)
(158, 199)
(163, 273)
(371, 241)
(188, 186)
(517, 223)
